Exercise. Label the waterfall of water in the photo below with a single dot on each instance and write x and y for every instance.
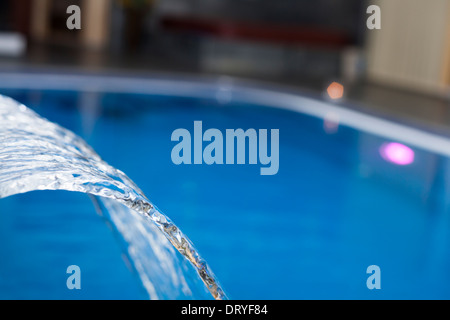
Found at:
(36, 154)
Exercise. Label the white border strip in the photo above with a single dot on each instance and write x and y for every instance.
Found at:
(264, 97)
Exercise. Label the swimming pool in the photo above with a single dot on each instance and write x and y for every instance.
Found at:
(337, 205)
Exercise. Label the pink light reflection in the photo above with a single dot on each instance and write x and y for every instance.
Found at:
(397, 153)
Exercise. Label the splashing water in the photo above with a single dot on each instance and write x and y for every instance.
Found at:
(36, 154)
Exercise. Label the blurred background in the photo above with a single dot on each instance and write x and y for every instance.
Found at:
(401, 70)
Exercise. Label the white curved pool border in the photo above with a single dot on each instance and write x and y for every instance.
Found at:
(240, 92)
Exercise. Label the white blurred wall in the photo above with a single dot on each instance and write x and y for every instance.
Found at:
(412, 49)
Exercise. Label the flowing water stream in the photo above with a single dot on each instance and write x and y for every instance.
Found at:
(36, 154)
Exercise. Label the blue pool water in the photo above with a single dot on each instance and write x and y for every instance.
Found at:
(334, 208)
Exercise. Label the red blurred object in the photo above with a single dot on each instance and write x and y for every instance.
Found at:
(312, 36)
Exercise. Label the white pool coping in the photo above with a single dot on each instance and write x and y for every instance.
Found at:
(242, 92)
